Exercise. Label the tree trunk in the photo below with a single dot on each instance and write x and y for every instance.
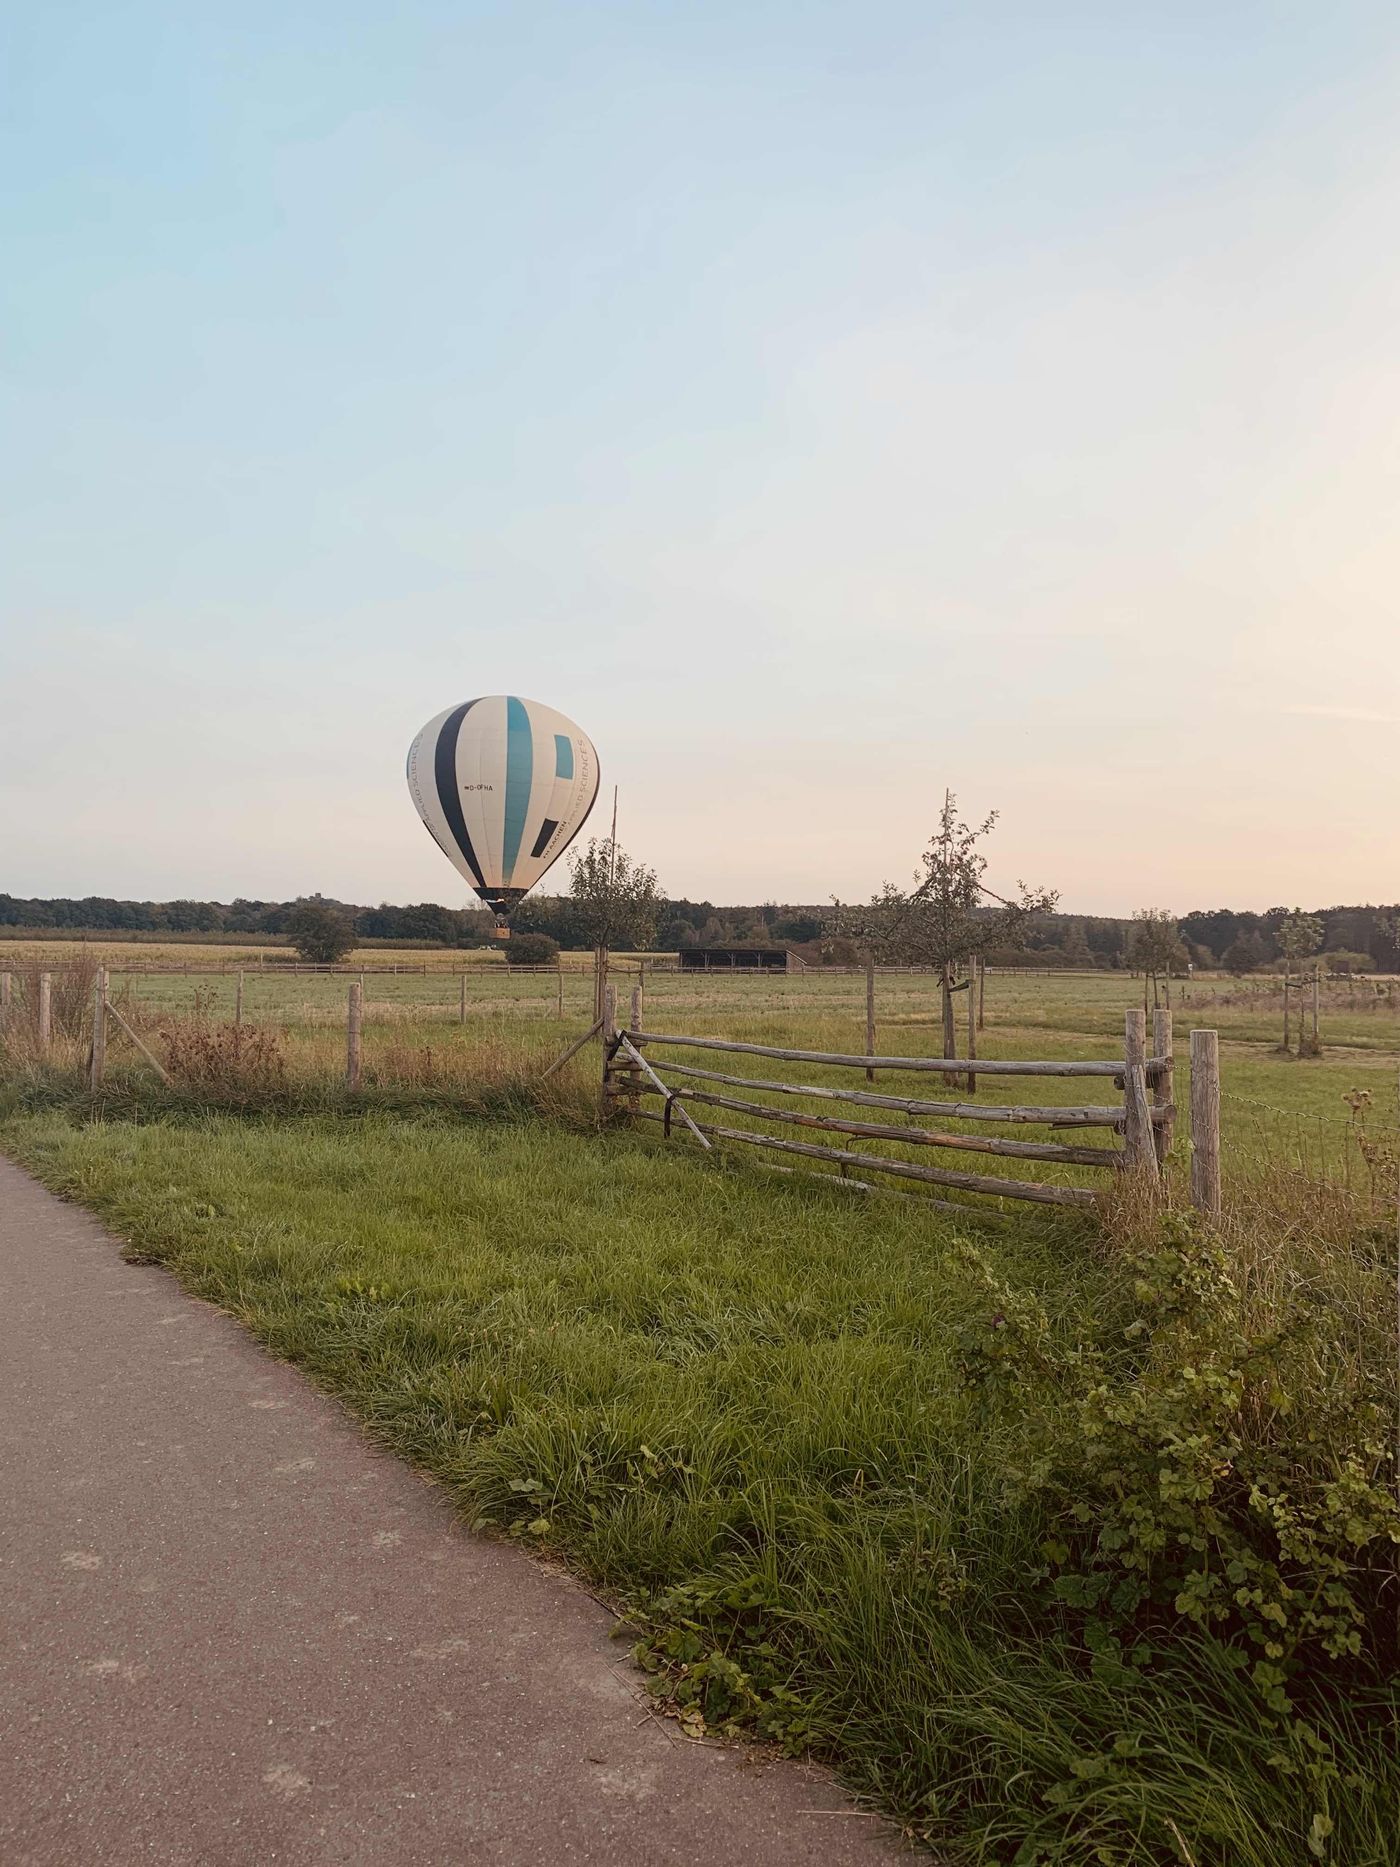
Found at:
(600, 980)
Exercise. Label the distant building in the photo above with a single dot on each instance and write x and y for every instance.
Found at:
(739, 959)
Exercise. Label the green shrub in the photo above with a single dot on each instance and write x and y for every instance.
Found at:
(532, 949)
(1220, 1483)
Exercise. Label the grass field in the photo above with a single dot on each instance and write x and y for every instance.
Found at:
(867, 1477)
(1276, 1108)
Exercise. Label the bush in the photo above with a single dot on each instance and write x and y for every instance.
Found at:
(1341, 963)
(532, 949)
(1223, 1482)
(320, 933)
(219, 1059)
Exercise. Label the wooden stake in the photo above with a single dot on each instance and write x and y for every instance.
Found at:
(112, 1012)
(354, 1012)
(1137, 1114)
(608, 1024)
(99, 1030)
(1205, 1121)
(634, 1075)
(1316, 995)
(45, 1012)
(559, 987)
(950, 1027)
(1162, 1084)
(981, 995)
(869, 1013)
(972, 1024)
(238, 1001)
(6, 996)
(462, 1001)
(573, 1048)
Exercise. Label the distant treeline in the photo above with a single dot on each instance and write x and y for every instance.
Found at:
(1211, 936)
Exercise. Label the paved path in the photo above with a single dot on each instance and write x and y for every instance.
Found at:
(232, 1631)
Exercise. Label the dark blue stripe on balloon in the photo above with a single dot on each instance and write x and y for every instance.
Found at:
(445, 776)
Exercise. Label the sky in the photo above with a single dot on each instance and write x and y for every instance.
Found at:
(822, 404)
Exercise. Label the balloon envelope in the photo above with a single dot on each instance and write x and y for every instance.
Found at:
(504, 786)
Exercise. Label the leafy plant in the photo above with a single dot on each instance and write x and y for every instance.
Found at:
(320, 933)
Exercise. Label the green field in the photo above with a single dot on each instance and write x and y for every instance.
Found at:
(939, 1501)
(1276, 1108)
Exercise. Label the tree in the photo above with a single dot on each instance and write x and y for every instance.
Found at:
(617, 901)
(320, 933)
(1244, 953)
(1298, 936)
(532, 949)
(945, 921)
(1155, 946)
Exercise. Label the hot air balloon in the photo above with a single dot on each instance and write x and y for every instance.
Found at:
(503, 785)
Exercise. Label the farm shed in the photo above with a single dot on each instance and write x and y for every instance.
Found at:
(739, 959)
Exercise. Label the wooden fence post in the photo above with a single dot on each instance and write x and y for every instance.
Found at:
(1137, 1114)
(982, 995)
(1163, 1086)
(609, 1036)
(869, 1014)
(462, 1001)
(1205, 1121)
(972, 1024)
(45, 1012)
(1316, 995)
(99, 1029)
(559, 987)
(6, 997)
(238, 1001)
(353, 1016)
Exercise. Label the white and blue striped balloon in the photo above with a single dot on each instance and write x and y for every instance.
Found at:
(503, 785)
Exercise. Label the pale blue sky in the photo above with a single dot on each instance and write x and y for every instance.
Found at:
(822, 404)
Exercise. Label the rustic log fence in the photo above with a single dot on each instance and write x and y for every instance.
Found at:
(1143, 1120)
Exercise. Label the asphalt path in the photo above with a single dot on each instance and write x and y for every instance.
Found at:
(233, 1631)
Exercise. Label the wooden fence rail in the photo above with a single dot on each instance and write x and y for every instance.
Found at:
(635, 1071)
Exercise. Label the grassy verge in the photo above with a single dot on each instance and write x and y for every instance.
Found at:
(829, 1453)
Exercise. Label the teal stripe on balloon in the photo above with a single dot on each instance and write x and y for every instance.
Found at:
(563, 756)
(520, 770)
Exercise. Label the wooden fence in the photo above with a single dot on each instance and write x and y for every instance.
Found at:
(1141, 1122)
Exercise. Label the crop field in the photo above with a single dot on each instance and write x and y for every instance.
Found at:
(1070, 1539)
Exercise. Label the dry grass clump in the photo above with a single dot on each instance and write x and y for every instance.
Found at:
(225, 1058)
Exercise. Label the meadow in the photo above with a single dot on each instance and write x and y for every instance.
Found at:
(1067, 1538)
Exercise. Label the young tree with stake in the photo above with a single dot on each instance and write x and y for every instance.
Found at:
(1155, 946)
(949, 917)
(617, 901)
(1299, 935)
